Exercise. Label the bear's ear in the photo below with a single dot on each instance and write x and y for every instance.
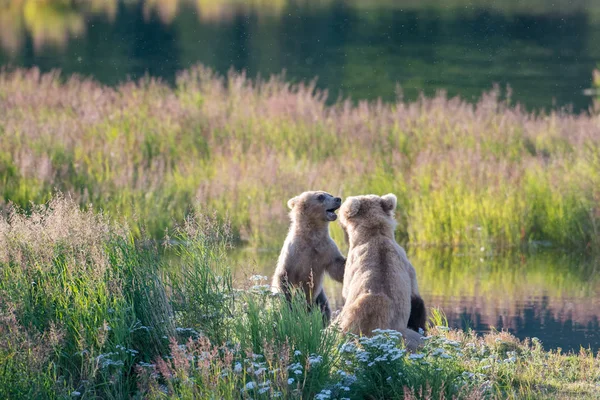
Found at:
(388, 202)
(292, 202)
(353, 207)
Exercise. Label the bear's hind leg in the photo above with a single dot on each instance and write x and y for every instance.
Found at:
(323, 303)
(418, 314)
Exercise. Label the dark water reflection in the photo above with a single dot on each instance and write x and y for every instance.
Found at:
(551, 296)
(533, 318)
(546, 52)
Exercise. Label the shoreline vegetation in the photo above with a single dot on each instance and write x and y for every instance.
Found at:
(488, 174)
(88, 312)
(519, 292)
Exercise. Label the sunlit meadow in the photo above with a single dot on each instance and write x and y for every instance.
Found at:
(485, 174)
(91, 307)
(123, 210)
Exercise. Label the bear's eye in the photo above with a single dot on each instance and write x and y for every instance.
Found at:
(321, 197)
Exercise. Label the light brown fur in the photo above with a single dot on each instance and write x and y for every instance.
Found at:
(308, 251)
(379, 280)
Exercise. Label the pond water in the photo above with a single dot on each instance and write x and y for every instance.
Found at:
(549, 295)
(361, 49)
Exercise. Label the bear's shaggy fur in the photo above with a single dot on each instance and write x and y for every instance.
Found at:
(308, 250)
(379, 281)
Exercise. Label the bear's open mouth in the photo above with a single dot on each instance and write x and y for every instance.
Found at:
(331, 215)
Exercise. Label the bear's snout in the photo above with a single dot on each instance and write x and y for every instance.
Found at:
(338, 200)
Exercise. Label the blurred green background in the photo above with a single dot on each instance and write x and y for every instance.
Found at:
(357, 48)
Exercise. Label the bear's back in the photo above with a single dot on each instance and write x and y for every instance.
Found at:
(376, 267)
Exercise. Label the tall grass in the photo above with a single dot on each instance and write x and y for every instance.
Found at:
(87, 313)
(484, 174)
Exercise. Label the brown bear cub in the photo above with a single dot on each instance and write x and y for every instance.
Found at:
(380, 284)
(308, 250)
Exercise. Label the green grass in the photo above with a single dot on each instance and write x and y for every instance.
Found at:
(86, 312)
(488, 174)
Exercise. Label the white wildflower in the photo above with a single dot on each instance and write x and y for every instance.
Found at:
(363, 356)
(315, 359)
(296, 368)
(390, 332)
(348, 348)
(146, 365)
(261, 289)
(324, 395)
(396, 354)
(256, 278)
(265, 383)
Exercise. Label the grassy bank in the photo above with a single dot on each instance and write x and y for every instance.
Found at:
(484, 174)
(86, 313)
